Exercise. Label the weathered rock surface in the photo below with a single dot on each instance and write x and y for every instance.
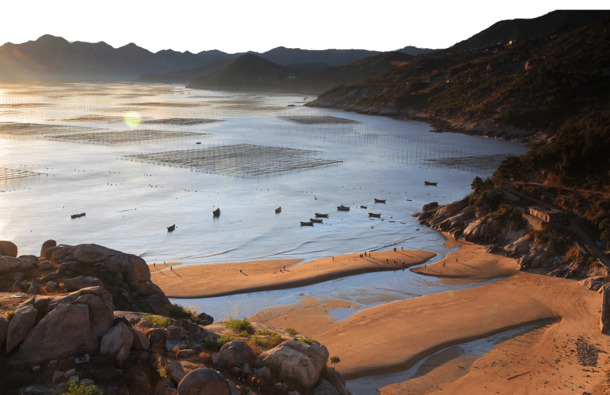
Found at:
(8, 248)
(297, 361)
(63, 332)
(117, 342)
(45, 246)
(175, 371)
(3, 330)
(203, 382)
(73, 284)
(325, 388)
(8, 263)
(236, 353)
(140, 341)
(22, 322)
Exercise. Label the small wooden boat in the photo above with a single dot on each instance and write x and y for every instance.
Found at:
(374, 215)
(316, 220)
(77, 215)
(342, 208)
(171, 228)
(278, 210)
(305, 223)
(216, 213)
(318, 215)
(380, 200)
(364, 207)
(430, 183)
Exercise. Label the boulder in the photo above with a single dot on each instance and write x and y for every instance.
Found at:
(297, 361)
(174, 332)
(45, 246)
(196, 332)
(117, 343)
(140, 341)
(157, 338)
(325, 388)
(202, 382)
(236, 353)
(63, 332)
(46, 265)
(158, 304)
(76, 283)
(3, 330)
(8, 263)
(20, 324)
(97, 299)
(205, 319)
(593, 283)
(8, 248)
(175, 371)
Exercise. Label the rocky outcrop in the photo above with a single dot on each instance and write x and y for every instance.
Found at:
(297, 361)
(22, 322)
(8, 248)
(203, 381)
(84, 259)
(235, 353)
(8, 263)
(45, 246)
(75, 283)
(3, 330)
(117, 343)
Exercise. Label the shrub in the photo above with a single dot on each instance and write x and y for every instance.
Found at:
(224, 339)
(271, 339)
(177, 312)
(307, 340)
(239, 325)
(82, 389)
(291, 331)
(163, 322)
(335, 360)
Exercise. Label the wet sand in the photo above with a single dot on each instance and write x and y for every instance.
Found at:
(199, 281)
(394, 336)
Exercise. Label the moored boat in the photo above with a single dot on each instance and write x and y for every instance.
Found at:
(216, 213)
(171, 228)
(342, 208)
(430, 183)
(306, 223)
(77, 215)
(380, 200)
(319, 215)
(316, 220)
(278, 210)
(375, 215)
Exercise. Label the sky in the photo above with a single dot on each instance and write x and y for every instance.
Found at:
(260, 25)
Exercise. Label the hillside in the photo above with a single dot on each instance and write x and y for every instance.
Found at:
(520, 90)
(251, 72)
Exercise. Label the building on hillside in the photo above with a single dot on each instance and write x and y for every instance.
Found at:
(548, 214)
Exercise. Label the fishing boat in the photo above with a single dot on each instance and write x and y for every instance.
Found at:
(318, 215)
(316, 220)
(342, 208)
(430, 183)
(171, 228)
(278, 210)
(380, 200)
(216, 213)
(364, 207)
(375, 215)
(77, 215)
(306, 223)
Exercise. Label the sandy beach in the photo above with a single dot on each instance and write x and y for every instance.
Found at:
(200, 281)
(394, 336)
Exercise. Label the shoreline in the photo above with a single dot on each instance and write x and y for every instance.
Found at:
(223, 279)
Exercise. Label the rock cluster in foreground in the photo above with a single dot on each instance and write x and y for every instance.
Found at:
(68, 330)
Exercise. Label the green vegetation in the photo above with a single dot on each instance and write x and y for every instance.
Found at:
(307, 340)
(291, 331)
(162, 370)
(10, 315)
(177, 312)
(239, 326)
(163, 322)
(82, 389)
(335, 360)
(223, 339)
(266, 339)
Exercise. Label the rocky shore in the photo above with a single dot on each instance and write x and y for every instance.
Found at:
(89, 317)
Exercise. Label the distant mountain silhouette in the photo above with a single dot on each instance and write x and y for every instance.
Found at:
(251, 72)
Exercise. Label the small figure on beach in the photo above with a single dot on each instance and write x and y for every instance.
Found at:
(394, 249)
(456, 259)
(171, 268)
(444, 263)
(154, 264)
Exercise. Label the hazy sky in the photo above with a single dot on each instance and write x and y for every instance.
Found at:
(259, 25)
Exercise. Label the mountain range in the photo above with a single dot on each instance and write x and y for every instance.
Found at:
(54, 58)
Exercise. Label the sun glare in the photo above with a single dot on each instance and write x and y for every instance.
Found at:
(132, 119)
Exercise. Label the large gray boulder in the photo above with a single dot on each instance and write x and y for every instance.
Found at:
(117, 343)
(45, 246)
(8, 263)
(203, 382)
(63, 332)
(97, 299)
(8, 248)
(235, 353)
(20, 324)
(175, 371)
(76, 283)
(298, 361)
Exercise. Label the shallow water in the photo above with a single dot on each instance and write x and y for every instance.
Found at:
(129, 203)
